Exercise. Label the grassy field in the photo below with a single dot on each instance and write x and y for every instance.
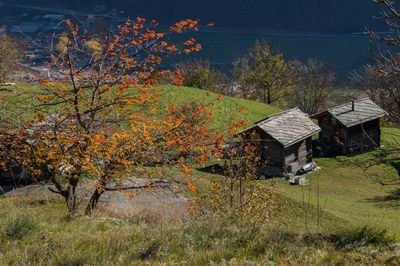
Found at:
(320, 223)
(37, 232)
(17, 103)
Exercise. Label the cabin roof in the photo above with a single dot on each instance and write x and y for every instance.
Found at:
(288, 127)
(365, 110)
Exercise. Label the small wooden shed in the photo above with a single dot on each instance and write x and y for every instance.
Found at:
(285, 140)
(351, 128)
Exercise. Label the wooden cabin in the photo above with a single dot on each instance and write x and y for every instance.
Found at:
(285, 140)
(351, 128)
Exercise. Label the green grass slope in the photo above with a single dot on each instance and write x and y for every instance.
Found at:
(226, 108)
(348, 192)
(16, 103)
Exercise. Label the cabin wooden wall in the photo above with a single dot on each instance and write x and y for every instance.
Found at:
(363, 137)
(356, 139)
(271, 151)
(275, 155)
(299, 154)
(327, 130)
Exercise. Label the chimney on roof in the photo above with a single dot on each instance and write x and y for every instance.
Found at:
(352, 105)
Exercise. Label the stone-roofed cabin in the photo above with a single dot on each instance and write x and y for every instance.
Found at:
(285, 141)
(351, 128)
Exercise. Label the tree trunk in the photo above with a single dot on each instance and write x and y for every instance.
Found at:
(269, 97)
(71, 200)
(94, 200)
(71, 197)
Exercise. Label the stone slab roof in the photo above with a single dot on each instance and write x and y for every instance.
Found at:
(365, 110)
(288, 127)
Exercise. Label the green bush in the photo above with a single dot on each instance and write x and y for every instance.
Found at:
(200, 74)
(366, 236)
(150, 250)
(17, 227)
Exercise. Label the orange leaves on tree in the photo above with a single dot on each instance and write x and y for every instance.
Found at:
(170, 142)
(242, 109)
(186, 169)
(181, 159)
(130, 101)
(197, 47)
(99, 139)
(178, 77)
(143, 89)
(184, 25)
(172, 48)
(86, 136)
(140, 20)
(202, 158)
(124, 86)
(215, 189)
(192, 186)
(68, 22)
(187, 51)
(235, 126)
(71, 140)
(153, 111)
(190, 42)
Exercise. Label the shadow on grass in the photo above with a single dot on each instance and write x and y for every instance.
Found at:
(5, 189)
(396, 165)
(214, 169)
(392, 200)
(320, 152)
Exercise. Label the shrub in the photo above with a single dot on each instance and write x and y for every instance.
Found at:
(73, 261)
(200, 74)
(365, 236)
(17, 227)
(150, 250)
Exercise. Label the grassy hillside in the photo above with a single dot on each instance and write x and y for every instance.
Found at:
(36, 232)
(226, 108)
(348, 192)
(342, 197)
(16, 104)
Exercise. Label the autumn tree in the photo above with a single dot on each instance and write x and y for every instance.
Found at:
(313, 83)
(11, 52)
(100, 117)
(263, 74)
